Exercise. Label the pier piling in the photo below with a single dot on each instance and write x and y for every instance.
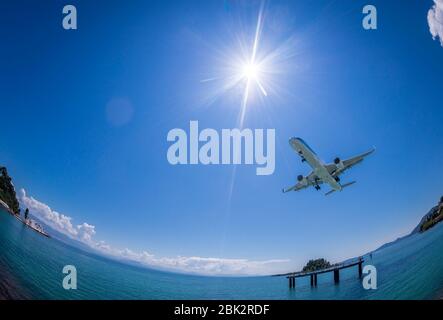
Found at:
(291, 282)
(336, 276)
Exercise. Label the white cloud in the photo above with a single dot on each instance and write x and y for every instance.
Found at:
(56, 220)
(86, 232)
(435, 20)
(208, 266)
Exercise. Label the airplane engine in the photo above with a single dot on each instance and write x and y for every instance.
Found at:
(339, 163)
(302, 180)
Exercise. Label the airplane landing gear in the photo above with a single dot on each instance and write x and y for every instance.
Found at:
(316, 180)
(337, 179)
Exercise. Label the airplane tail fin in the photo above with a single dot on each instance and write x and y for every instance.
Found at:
(343, 186)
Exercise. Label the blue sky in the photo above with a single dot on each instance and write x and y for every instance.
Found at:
(342, 88)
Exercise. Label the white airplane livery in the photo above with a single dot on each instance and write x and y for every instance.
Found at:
(321, 172)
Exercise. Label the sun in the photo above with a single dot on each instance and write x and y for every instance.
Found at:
(251, 68)
(251, 71)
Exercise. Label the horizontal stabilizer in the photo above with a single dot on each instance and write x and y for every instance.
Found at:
(343, 186)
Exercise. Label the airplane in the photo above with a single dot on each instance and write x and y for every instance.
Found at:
(321, 172)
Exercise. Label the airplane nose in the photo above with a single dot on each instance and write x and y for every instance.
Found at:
(294, 140)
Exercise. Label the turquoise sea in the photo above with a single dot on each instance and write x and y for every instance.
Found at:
(31, 268)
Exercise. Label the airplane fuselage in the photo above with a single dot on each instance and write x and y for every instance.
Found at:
(315, 162)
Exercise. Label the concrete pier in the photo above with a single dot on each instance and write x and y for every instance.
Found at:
(335, 269)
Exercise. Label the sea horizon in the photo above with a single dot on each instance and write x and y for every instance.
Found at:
(141, 282)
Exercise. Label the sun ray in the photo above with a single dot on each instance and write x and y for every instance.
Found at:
(262, 89)
(252, 69)
(245, 102)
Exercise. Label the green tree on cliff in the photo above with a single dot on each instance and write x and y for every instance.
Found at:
(7, 191)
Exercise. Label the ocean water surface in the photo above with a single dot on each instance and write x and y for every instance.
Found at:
(31, 268)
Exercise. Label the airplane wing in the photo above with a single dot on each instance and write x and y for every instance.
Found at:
(306, 182)
(336, 169)
(297, 187)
